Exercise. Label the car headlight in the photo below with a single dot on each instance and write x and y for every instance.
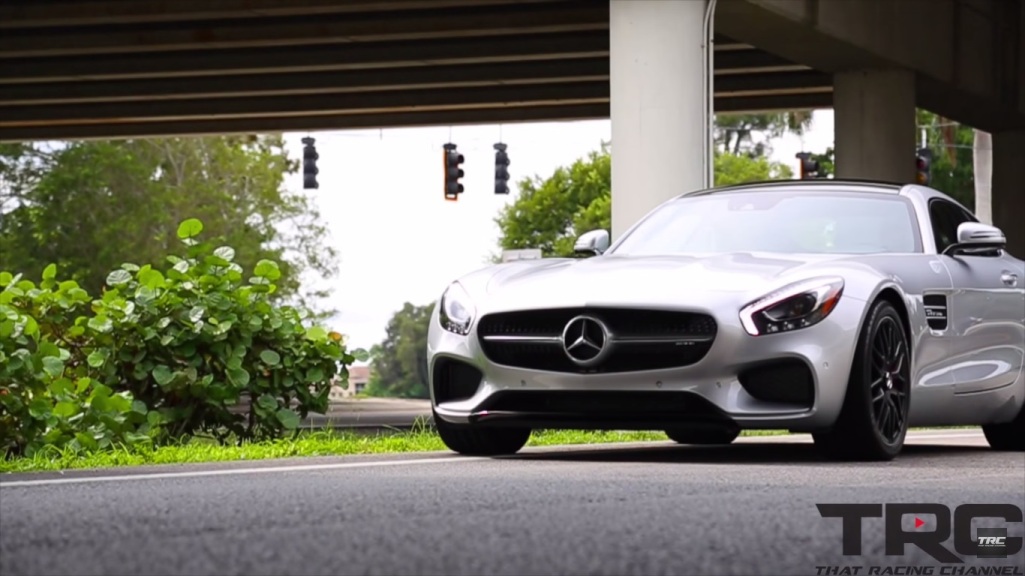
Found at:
(456, 312)
(792, 307)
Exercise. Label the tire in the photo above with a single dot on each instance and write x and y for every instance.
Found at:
(868, 429)
(711, 436)
(1007, 437)
(477, 441)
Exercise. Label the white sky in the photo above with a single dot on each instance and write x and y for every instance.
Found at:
(398, 239)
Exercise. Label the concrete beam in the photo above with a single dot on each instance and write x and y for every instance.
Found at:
(404, 119)
(1008, 188)
(659, 105)
(305, 58)
(484, 20)
(67, 13)
(732, 58)
(408, 78)
(310, 104)
(283, 84)
(485, 113)
(875, 125)
(963, 52)
(361, 102)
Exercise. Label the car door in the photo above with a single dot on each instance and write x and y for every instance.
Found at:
(984, 308)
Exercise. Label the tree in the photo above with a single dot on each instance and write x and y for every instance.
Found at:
(550, 213)
(951, 145)
(736, 133)
(90, 206)
(952, 168)
(400, 361)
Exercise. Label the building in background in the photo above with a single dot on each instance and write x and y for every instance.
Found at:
(358, 378)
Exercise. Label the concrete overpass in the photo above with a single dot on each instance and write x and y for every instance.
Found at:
(114, 68)
(84, 68)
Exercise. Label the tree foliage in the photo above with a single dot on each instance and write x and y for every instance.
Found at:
(750, 134)
(89, 206)
(400, 361)
(164, 353)
(550, 213)
(952, 170)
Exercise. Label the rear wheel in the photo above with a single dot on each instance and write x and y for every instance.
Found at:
(703, 435)
(874, 419)
(477, 441)
(1009, 437)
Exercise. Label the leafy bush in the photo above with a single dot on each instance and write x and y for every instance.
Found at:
(161, 355)
(47, 394)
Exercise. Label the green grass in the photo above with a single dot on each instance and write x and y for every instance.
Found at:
(313, 443)
(309, 443)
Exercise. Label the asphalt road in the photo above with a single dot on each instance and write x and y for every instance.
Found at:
(663, 509)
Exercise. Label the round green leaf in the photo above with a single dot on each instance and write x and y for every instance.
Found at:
(151, 278)
(267, 402)
(238, 376)
(50, 272)
(189, 228)
(163, 375)
(270, 357)
(53, 366)
(5, 278)
(289, 419)
(225, 252)
(267, 269)
(119, 277)
(96, 358)
(316, 333)
(101, 324)
(315, 376)
(65, 409)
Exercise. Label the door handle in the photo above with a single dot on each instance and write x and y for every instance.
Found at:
(1009, 279)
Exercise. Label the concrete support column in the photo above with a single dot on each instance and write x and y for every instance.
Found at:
(657, 104)
(874, 125)
(1008, 189)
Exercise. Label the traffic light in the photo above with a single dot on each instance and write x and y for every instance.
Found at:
(453, 172)
(501, 169)
(923, 166)
(310, 157)
(809, 168)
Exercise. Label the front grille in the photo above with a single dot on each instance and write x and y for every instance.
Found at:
(639, 339)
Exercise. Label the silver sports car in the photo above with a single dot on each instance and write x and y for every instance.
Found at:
(851, 310)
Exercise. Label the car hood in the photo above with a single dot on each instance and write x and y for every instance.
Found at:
(701, 280)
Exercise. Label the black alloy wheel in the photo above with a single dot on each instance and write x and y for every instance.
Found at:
(890, 375)
(873, 421)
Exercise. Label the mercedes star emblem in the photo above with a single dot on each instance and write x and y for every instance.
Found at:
(585, 340)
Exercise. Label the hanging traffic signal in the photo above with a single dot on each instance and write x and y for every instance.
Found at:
(809, 168)
(501, 169)
(923, 166)
(453, 172)
(310, 157)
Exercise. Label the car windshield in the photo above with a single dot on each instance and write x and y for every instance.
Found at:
(786, 221)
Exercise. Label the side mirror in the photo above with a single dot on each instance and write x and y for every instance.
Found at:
(975, 237)
(593, 243)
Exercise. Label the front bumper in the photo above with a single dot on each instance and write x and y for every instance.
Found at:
(795, 380)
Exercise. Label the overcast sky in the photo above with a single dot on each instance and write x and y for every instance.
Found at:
(398, 240)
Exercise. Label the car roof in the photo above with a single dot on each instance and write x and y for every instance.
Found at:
(833, 184)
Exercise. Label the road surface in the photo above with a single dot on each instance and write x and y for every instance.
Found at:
(645, 510)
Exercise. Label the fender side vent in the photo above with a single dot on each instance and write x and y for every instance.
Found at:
(936, 311)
